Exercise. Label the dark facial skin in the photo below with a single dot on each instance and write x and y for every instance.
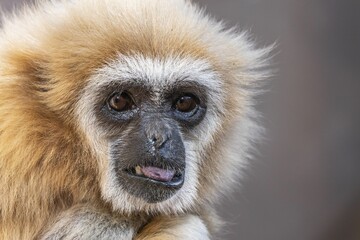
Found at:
(148, 134)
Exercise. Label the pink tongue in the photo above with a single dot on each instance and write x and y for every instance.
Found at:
(158, 174)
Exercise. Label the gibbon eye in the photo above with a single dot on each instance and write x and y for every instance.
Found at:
(186, 103)
(121, 102)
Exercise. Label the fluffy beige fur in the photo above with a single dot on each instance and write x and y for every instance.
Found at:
(50, 56)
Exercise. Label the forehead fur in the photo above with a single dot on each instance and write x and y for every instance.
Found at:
(159, 72)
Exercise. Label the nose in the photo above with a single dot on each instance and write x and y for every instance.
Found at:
(158, 132)
(163, 140)
(159, 137)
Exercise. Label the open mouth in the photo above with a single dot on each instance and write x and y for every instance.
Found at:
(165, 177)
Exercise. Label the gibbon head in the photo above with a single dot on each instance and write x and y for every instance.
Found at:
(158, 91)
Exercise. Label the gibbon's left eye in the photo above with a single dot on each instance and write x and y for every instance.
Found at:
(186, 103)
(121, 102)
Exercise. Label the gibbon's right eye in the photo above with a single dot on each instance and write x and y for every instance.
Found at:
(121, 102)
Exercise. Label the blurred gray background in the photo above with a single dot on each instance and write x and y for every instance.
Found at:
(305, 183)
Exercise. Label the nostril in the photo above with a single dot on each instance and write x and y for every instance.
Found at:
(159, 144)
(158, 140)
(154, 138)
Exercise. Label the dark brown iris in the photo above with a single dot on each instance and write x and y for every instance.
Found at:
(186, 104)
(121, 102)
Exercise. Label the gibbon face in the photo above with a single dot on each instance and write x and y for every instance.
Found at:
(156, 95)
(149, 114)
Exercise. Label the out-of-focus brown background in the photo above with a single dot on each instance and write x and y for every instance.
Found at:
(305, 183)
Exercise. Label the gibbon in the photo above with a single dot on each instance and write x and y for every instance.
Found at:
(122, 119)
